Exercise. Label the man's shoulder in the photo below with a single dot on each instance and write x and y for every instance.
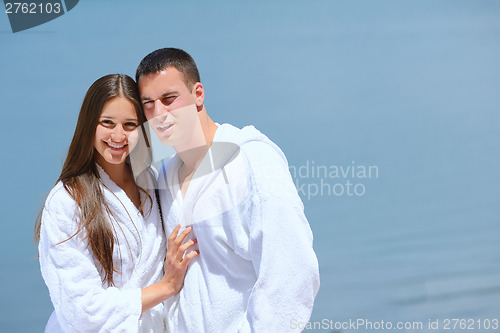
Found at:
(261, 152)
(252, 142)
(265, 153)
(268, 167)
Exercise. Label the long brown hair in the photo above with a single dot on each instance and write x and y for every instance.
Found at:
(80, 176)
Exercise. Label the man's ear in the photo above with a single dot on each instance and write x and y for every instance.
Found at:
(200, 95)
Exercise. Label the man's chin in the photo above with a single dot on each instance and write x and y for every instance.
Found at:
(166, 141)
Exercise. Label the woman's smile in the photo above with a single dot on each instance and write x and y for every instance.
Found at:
(114, 146)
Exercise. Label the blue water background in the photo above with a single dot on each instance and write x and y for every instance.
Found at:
(410, 87)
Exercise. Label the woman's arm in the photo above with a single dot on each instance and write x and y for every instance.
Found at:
(176, 264)
(72, 276)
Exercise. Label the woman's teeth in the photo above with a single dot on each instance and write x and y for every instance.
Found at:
(115, 146)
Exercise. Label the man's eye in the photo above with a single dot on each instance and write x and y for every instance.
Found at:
(167, 100)
(148, 104)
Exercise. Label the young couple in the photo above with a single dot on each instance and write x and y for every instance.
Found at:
(243, 261)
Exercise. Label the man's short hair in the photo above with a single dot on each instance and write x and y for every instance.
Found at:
(160, 59)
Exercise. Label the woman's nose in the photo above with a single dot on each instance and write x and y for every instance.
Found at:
(118, 133)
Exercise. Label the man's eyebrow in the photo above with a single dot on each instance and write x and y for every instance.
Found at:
(167, 94)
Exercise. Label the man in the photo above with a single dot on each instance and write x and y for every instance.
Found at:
(257, 271)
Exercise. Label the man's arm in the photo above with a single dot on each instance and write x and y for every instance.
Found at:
(281, 247)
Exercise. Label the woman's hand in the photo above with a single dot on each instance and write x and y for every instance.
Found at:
(176, 264)
(177, 261)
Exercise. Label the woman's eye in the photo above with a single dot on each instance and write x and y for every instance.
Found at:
(131, 126)
(107, 123)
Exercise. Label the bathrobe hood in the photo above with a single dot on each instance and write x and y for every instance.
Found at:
(227, 145)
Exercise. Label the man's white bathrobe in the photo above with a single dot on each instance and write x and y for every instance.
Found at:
(81, 301)
(257, 271)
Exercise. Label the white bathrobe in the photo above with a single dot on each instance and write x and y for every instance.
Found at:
(257, 271)
(73, 276)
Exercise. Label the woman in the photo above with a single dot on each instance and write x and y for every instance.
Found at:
(101, 241)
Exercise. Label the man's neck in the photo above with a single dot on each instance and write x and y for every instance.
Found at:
(193, 156)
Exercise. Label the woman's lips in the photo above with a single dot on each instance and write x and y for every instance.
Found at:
(115, 147)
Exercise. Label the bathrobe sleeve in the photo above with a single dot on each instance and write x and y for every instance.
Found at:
(280, 245)
(81, 302)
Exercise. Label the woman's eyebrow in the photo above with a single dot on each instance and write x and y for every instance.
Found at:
(112, 118)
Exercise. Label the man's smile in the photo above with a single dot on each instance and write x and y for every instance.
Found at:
(165, 126)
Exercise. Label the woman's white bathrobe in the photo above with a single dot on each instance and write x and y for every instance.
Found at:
(257, 271)
(81, 301)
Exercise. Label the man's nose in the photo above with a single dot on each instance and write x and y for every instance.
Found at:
(160, 108)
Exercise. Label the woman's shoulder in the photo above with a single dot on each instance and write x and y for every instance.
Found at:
(59, 213)
(59, 200)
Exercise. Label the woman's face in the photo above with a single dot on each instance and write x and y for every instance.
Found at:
(116, 133)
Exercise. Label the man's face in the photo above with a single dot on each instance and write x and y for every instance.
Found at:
(170, 106)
